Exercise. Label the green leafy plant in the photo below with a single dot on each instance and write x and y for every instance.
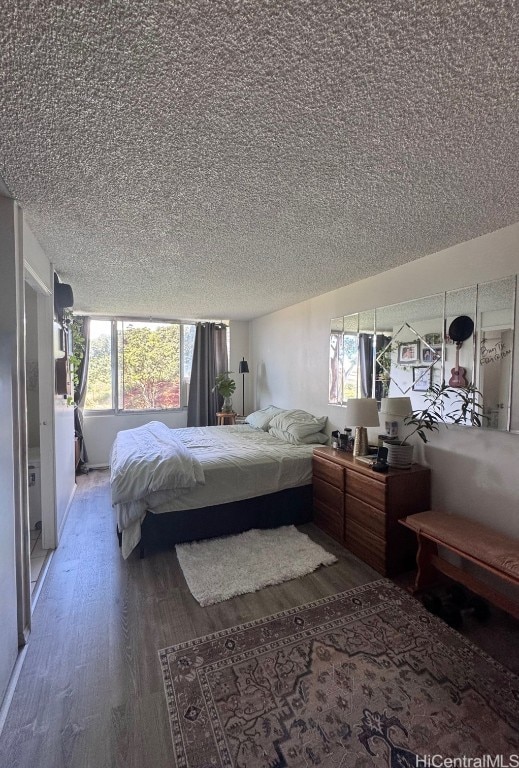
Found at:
(445, 405)
(77, 353)
(224, 385)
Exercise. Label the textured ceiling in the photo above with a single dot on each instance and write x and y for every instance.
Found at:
(226, 158)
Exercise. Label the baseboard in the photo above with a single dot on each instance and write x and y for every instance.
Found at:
(98, 466)
(65, 516)
(11, 687)
(15, 674)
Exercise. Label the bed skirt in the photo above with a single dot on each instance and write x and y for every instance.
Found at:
(292, 506)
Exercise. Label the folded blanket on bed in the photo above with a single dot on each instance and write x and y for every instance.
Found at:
(150, 458)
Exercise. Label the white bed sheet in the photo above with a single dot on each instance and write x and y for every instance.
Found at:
(238, 462)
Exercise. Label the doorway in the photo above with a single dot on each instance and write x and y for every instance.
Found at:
(39, 399)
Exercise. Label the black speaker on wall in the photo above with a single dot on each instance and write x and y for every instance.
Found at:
(63, 297)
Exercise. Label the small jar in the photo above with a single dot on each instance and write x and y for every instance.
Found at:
(348, 439)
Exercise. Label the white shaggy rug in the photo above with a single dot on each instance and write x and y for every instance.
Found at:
(218, 569)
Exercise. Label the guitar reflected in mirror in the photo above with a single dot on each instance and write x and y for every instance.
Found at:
(460, 330)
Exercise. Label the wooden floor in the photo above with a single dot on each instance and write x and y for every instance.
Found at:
(90, 691)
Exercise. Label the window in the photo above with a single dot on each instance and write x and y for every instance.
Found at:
(139, 366)
(99, 383)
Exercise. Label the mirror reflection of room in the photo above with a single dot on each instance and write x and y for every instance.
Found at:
(464, 337)
(494, 351)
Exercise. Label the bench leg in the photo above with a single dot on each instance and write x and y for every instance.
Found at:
(427, 574)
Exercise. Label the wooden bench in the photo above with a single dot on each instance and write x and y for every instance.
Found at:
(474, 542)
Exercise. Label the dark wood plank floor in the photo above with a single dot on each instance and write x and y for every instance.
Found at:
(90, 692)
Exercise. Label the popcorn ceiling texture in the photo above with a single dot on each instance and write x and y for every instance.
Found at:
(227, 158)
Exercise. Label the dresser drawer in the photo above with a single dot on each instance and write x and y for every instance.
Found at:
(367, 489)
(329, 508)
(329, 520)
(329, 495)
(368, 517)
(366, 545)
(327, 470)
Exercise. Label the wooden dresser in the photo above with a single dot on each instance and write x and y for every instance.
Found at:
(361, 508)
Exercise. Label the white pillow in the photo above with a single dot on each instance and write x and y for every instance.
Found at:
(281, 434)
(299, 423)
(262, 418)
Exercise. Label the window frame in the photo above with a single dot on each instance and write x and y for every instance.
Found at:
(116, 410)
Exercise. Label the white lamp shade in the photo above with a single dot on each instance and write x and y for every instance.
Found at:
(396, 407)
(362, 412)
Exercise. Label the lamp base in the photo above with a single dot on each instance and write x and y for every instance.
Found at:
(360, 446)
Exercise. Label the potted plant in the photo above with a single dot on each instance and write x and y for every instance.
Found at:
(225, 386)
(445, 405)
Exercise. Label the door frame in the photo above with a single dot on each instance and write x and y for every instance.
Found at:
(45, 315)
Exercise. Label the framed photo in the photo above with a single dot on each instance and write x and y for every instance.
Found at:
(433, 339)
(409, 352)
(431, 355)
(422, 378)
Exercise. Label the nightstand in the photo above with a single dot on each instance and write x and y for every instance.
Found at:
(361, 508)
(225, 418)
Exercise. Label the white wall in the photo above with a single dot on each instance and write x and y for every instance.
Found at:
(31, 357)
(9, 486)
(100, 430)
(474, 472)
(239, 335)
(8, 594)
(36, 261)
(64, 460)
(57, 448)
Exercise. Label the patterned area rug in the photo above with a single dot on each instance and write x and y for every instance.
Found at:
(363, 678)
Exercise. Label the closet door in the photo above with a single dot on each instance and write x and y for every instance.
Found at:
(8, 595)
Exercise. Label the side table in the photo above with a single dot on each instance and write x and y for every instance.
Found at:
(225, 418)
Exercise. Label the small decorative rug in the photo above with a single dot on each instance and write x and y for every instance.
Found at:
(218, 569)
(363, 678)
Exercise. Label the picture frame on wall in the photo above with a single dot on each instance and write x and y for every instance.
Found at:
(422, 378)
(431, 354)
(433, 339)
(409, 352)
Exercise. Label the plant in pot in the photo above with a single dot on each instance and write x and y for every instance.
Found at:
(444, 405)
(225, 386)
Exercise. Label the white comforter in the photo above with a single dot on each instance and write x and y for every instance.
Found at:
(238, 462)
(143, 461)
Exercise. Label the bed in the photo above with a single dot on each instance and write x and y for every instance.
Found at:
(174, 485)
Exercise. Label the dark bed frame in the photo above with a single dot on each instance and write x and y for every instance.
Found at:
(292, 506)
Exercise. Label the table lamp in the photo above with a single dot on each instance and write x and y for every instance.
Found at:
(361, 412)
(393, 411)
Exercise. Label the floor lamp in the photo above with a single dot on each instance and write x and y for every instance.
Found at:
(243, 369)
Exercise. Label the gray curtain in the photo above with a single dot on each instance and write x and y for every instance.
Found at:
(209, 359)
(366, 364)
(83, 324)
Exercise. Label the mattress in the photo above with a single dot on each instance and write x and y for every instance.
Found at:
(238, 462)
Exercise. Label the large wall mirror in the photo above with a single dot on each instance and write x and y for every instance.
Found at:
(461, 337)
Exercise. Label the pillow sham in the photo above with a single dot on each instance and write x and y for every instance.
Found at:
(317, 437)
(262, 418)
(299, 423)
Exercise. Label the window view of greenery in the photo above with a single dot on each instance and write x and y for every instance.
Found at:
(148, 365)
(99, 382)
(351, 366)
